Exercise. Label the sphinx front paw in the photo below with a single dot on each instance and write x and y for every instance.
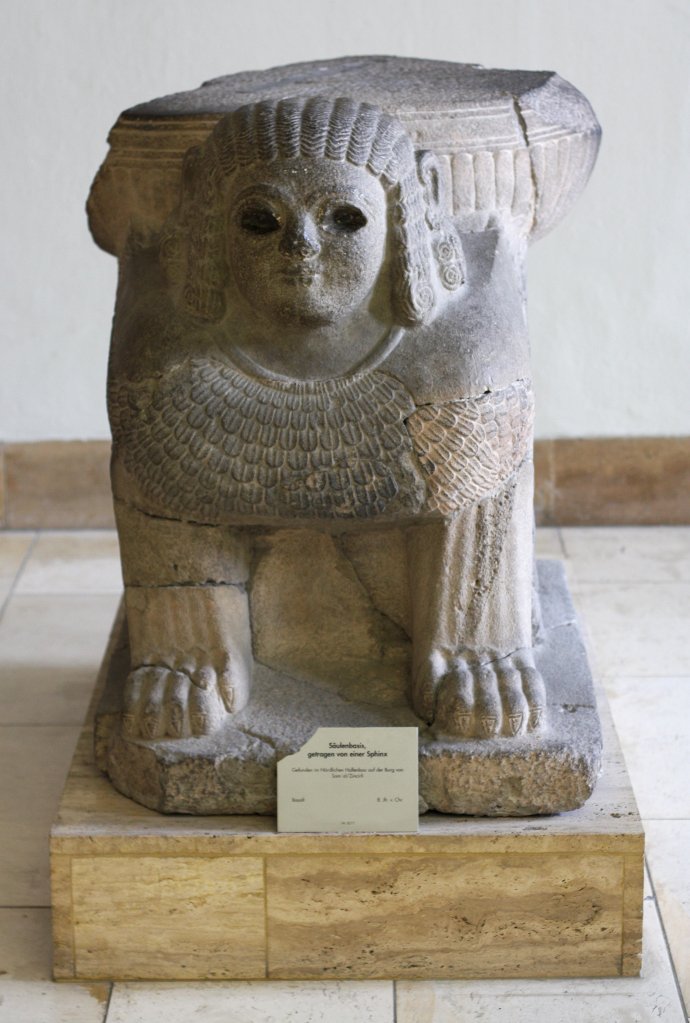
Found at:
(166, 703)
(501, 698)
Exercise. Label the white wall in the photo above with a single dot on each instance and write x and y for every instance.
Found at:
(610, 291)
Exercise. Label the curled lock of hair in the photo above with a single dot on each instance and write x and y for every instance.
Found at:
(445, 240)
(193, 242)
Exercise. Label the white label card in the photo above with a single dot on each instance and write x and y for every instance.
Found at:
(351, 780)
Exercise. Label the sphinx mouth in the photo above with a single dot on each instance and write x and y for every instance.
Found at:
(300, 275)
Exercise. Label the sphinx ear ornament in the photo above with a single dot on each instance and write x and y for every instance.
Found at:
(445, 242)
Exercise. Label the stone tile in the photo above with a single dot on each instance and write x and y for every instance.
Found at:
(652, 718)
(50, 651)
(73, 562)
(27, 994)
(254, 1002)
(58, 484)
(548, 543)
(668, 856)
(638, 999)
(636, 628)
(628, 554)
(33, 766)
(13, 550)
(473, 1007)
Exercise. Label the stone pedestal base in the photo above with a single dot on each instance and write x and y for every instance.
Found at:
(234, 770)
(137, 895)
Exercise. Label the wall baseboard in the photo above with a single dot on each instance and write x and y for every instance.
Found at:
(56, 485)
(588, 482)
(628, 481)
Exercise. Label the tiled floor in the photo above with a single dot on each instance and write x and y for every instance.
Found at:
(58, 593)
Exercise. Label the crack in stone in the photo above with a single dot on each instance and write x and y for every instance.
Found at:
(335, 695)
(525, 134)
(167, 518)
(271, 743)
(206, 584)
(403, 635)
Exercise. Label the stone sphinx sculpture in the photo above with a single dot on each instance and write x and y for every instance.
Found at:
(322, 429)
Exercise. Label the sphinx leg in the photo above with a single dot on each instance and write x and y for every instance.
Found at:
(188, 622)
(473, 620)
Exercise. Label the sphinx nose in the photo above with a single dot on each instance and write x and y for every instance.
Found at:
(300, 238)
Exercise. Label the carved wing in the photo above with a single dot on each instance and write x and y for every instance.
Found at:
(469, 448)
(208, 439)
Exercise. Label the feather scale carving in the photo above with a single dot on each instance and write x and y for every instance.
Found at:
(209, 440)
(469, 448)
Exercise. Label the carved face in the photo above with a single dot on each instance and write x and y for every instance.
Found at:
(306, 239)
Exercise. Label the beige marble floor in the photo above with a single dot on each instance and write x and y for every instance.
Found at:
(58, 592)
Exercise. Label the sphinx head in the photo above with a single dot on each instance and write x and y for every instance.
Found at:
(306, 208)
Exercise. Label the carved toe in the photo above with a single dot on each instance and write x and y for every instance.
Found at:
(455, 703)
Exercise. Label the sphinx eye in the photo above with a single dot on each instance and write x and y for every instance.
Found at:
(258, 219)
(346, 219)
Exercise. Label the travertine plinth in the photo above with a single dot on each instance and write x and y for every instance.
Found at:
(137, 895)
(234, 771)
